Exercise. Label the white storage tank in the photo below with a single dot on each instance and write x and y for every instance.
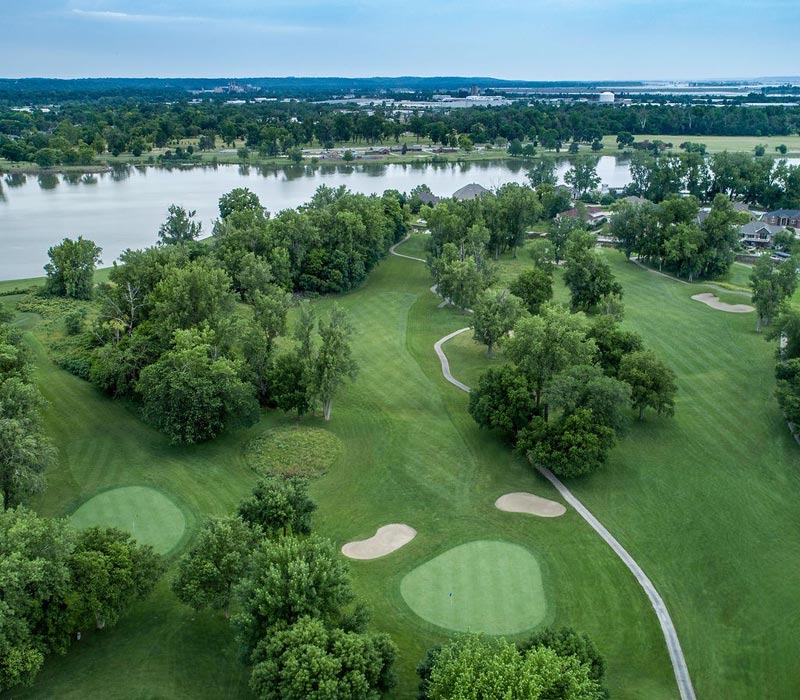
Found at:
(606, 97)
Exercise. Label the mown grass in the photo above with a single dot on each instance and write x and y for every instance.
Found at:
(411, 454)
(706, 501)
(715, 144)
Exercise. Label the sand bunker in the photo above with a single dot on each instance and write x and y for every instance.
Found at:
(528, 503)
(712, 301)
(386, 540)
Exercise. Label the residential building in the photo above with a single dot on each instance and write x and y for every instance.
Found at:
(783, 217)
(757, 234)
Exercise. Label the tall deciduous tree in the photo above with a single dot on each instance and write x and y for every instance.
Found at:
(70, 272)
(279, 506)
(772, 285)
(217, 561)
(334, 363)
(652, 382)
(582, 176)
(309, 661)
(495, 315)
(534, 287)
(179, 226)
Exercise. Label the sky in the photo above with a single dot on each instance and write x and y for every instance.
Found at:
(599, 40)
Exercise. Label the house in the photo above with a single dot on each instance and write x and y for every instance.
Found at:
(594, 216)
(745, 208)
(782, 217)
(757, 234)
(636, 201)
(427, 198)
(470, 191)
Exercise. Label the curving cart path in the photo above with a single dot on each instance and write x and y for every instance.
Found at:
(682, 677)
(400, 255)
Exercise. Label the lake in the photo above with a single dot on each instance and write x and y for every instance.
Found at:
(124, 208)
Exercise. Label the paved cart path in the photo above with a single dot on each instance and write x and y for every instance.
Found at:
(667, 627)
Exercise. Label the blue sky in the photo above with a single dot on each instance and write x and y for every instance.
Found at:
(535, 40)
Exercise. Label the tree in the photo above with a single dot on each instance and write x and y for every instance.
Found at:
(472, 667)
(192, 393)
(290, 578)
(517, 208)
(787, 390)
(563, 227)
(179, 227)
(70, 272)
(35, 582)
(279, 505)
(624, 139)
(217, 561)
(334, 362)
(495, 315)
(772, 285)
(582, 176)
(502, 401)
(109, 571)
(588, 276)
(577, 444)
(542, 172)
(566, 641)
(759, 150)
(544, 345)
(612, 343)
(289, 382)
(309, 661)
(239, 199)
(652, 382)
(782, 149)
(585, 386)
(534, 287)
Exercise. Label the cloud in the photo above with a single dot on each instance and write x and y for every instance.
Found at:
(130, 17)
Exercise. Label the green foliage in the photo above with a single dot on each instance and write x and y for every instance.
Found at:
(179, 227)
(308, 661)
(772, 285)
(290, 578)
(575, 445)
(334, 363)
(237, 200)
(495, 315)
(589, 278)
(502, 401)
(472, 667)
(289, 381)
(566, 641)
(294, 451)
(612, 343)
(652, 382)
(279, 505)
(70, 272)
(218, 559)
(109, 571)
(191, 393)
(582, 176)
(787, 390)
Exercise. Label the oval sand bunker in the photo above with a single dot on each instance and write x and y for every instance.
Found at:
(713, 301)
(521, 502)
(386, 540)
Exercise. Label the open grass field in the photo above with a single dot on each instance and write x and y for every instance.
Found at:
(715, 144)
(147, 514)
(484, 586)
(706, 502)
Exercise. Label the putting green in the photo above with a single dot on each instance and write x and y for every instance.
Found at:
(496, 588)
(147, 514)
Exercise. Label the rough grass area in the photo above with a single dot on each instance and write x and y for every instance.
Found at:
(147, 514)
(294, 451)
(484, 586)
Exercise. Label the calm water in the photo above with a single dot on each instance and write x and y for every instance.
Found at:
(124, 209)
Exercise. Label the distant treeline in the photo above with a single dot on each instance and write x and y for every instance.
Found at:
(72, 132)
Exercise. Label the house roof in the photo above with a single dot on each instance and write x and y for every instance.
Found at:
(471, 191)
(427, 198)
(633, 199)
(741, 206)
(755, 226)
(781, 213)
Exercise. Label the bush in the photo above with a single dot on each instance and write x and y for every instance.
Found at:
(73, 321)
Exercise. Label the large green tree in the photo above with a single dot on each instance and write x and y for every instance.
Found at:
(279, 505)
(70, 272)
(534, 286)
(652, 382)
(309, 661)
(334, 363)
(179, 226)
(495, 315)
(218, 559)
(772, 285)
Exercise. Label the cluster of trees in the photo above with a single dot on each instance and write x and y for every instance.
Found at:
(190, 330)
(672, 236)
(56, 582)
(564, 397)
(297, 619)
(25, 451)
(763, 181)
(553, 663)
(77, 131)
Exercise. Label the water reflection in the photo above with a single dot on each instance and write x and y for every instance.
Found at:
(48, 181)
(89, 179)
(120, 172)
(72, 178)
(16, 179)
